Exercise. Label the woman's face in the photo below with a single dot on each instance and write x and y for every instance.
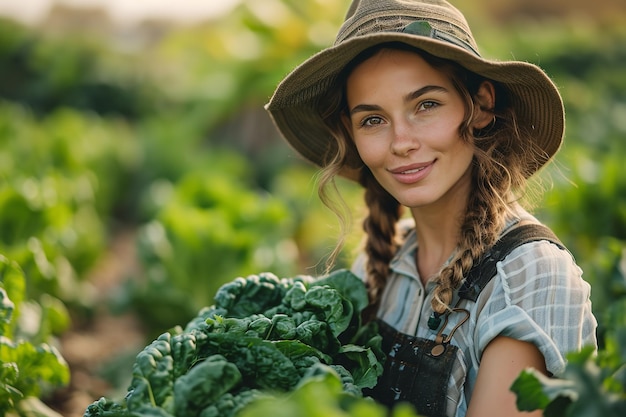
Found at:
(404, 116)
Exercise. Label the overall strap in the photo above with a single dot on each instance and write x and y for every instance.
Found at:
(485, 269)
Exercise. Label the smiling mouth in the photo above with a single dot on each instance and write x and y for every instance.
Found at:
(411, 174)
(412, 171)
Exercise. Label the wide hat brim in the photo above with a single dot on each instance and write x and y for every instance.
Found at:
(293, 107)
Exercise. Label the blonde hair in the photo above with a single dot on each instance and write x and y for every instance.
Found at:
(499, 169)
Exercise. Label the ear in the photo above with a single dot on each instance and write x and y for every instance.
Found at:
(484, 103)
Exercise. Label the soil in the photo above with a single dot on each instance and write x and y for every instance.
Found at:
(95, 345)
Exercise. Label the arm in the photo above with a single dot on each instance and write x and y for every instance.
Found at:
(502, 361)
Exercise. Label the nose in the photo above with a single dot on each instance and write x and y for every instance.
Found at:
(404, 139)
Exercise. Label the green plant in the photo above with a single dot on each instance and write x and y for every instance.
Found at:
(46, 73)
(210, 226)
(30, 367)
(63, 177)
(262, 336)
(589, 387)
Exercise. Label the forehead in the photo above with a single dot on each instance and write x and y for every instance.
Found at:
(394, 68)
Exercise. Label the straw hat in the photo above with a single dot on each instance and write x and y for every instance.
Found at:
(434, 26)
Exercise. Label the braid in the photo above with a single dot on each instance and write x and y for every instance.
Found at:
(479, 231)
(497, 171)
(381, 244)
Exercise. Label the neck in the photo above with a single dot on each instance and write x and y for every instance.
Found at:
(438, 232)
(436, 245)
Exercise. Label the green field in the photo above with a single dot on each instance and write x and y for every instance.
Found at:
(140, 173)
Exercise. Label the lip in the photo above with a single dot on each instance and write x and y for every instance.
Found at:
(409, 174)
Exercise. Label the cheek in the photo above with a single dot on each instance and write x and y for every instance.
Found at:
(461, 153)
(370, 150)
(445, 135)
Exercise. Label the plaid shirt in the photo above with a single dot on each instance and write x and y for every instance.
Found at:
(537, 295)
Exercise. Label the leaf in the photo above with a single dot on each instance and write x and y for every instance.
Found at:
(252, 295)
(283, 327)
(204, 384)
(294, 297)
(337, 309)
(6, 311)
(367, 369)
(349, 285)
(589, 381)
(153, 372)
(535, 390)
(55, 316)
(260, 362)
(581, 390)
(183, 351)
(12, 292)
(296, 350)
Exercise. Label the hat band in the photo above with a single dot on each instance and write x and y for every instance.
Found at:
(423, 28)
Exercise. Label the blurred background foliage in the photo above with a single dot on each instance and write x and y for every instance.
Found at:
(160, 133)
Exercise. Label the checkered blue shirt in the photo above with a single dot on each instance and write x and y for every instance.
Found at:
(537, 295)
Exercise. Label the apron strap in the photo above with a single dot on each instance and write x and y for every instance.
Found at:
(485, 269)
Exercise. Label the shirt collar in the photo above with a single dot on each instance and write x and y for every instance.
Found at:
(404, 260)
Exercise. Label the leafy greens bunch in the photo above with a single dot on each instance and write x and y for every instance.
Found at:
(263, 336)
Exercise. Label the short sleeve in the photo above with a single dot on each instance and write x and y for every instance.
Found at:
(539, 296)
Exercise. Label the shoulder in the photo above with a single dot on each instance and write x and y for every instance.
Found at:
(539, 268)
(538, 295)
(537, 276)
(533, 256)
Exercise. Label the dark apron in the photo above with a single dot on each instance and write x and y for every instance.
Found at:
(416, 370)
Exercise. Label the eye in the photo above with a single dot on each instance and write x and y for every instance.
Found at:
(427, 105)
(371, 121)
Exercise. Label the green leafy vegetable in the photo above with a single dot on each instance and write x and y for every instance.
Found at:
(262, 336)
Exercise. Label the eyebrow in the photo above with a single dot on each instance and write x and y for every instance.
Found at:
(426, 89)
(409, 97)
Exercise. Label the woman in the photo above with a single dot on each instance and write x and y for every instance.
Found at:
(466, 293)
